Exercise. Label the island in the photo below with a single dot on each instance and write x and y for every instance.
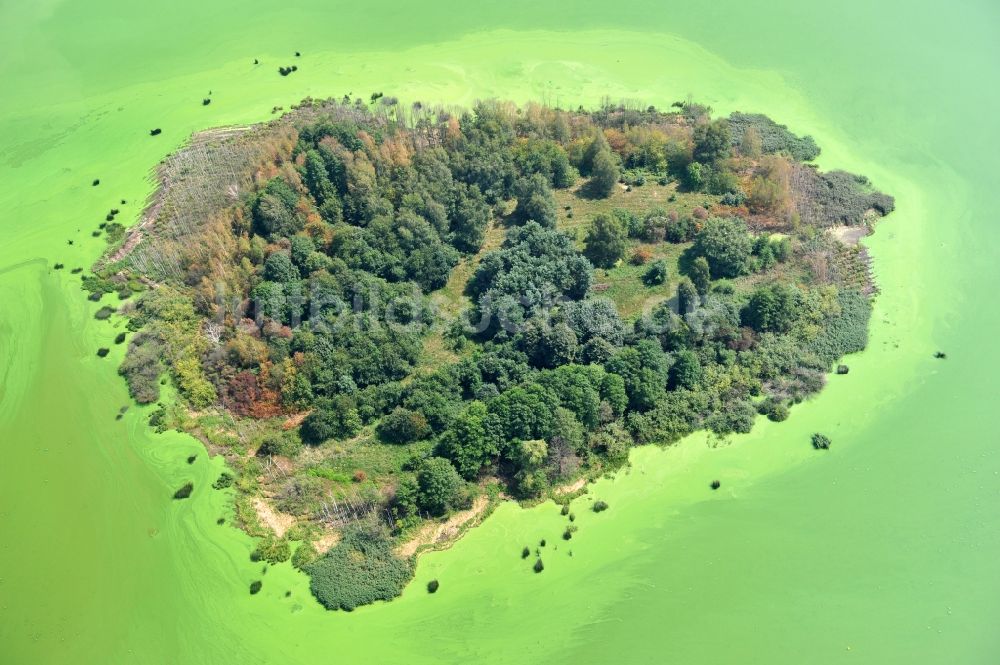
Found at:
(390, 317)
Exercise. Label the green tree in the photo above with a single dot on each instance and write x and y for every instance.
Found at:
(700, 275)
(317, 180)
(524, 412)
(302, 247)
(597, 145)
(548, 346)
(605, 241)
(535, 201)
(438, 484)
(469, 218)
(530, 479)
(711, 141)
(773, 308)
(693, 176)
(269, 300)
(687, 296)
(532, 453)
(336, 418)
(468, 441)
(274, 210)
(279, 268)
(686, 370)
(644, 369)
(567, 432)
(604, 174)
(726, 245)
(403, 426)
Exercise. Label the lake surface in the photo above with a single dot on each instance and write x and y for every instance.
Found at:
(883, 550)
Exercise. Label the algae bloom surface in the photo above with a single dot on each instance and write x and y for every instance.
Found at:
(882, 551)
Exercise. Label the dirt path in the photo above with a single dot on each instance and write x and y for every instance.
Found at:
(441, 532)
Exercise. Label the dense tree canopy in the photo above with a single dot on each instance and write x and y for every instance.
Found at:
(726, 245)
(535, 267)
(605, 242)
(412, 293)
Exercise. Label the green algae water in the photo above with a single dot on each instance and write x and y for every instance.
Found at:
(882, 550)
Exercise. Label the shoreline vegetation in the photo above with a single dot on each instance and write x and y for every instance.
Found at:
(389, 319)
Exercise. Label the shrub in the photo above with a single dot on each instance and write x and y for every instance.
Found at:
(104, 313)
(403, 426)
(774, 409)
(432, 586)
(255, 587)
(820, 441)
(681, 229)
(158, 419)
(656, 274)
(304, 555)
(287, 445)
(539, 566)
(846, 332)
(525, 553)
(337, 419)
(359, 570)
(119, 338)
(836, 197)
(641, 256)
(103, 351)
(600, 506)
(769, 137)
(734, 199)
(184, 491)
(224, 480)
(142, 367)
(272, 550)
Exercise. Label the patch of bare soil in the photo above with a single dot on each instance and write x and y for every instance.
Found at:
(849, 235)
(443, 531)
(575, 486)
(274, 520)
